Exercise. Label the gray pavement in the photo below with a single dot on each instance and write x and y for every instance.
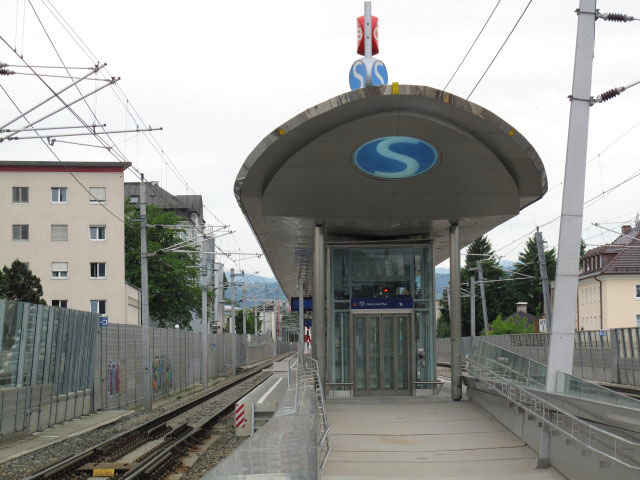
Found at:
(424, 437)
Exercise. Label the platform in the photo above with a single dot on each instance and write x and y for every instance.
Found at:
(424, 437)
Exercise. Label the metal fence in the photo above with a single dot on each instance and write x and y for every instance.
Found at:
(46, 365)
(601, 355)
(57, 363)
(175, 361)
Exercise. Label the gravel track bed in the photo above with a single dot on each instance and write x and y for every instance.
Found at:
(217, 451)
(21, 467)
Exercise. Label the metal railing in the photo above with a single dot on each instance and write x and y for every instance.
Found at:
(531, 374)
(609, 445)
(309, 378)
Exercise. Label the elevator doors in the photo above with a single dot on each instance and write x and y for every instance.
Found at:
(381, 359)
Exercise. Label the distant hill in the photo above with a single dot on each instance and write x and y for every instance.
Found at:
(442, 276)
(256, 285)
(258, 289)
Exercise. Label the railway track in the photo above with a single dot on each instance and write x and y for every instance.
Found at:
(156, 446)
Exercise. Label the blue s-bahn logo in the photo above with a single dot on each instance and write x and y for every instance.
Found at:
(395, 157)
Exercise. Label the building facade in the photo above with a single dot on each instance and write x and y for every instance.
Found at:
(609, 284)
(66, 221)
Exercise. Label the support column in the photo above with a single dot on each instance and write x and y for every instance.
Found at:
(319, 326)
(455, 312)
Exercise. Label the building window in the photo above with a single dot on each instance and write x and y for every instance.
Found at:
(20, 194)
(59, 233)
(638, 320)
(97, 194)
(98, 270)
(58, 194)
(21, 232)
(99, 306)
(59, 303)
(638, 292)
(97, 232)
(59, 270)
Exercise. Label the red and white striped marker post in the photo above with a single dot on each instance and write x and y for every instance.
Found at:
(241, 420)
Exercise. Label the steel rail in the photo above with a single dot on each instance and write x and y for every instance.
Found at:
(76, 460)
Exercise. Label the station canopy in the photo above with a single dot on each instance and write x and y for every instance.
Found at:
(340, 163)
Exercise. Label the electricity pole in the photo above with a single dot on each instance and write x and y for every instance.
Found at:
(204, 337)
(232, 322)
(244, 307)
(144, 274)
(483, 298)
(255, 319)
(560, 357)
(472, 291)
(545, 278)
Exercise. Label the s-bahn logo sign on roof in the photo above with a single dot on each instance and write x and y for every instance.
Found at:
(395, 157)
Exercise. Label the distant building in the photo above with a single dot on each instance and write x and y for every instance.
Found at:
(609, 284)
(188, 207)
(65, 219)
(521, 314)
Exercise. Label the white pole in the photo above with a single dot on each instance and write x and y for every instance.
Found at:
(455, 312)
(144, 274)
(564, 302)
(368, 48)
(544, 276)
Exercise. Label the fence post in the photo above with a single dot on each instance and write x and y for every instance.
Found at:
(613, 341)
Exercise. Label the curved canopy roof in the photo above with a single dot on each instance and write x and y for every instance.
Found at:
(303, 174)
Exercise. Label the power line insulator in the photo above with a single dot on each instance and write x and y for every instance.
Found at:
(6, 71)
(616, 17)
(609, 94)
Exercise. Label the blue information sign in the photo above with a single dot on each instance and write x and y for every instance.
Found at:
(308, 304)
(381, 303)
(602, 333)
(104, 321)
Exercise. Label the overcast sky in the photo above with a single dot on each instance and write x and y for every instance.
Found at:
(218, 76)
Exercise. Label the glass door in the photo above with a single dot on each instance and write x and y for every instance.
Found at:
(381, 356)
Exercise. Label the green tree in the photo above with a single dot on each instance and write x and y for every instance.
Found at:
(250, 321)
(530, 290)
(19, 283)
(512, 324)
(499, 295)
(174, 287)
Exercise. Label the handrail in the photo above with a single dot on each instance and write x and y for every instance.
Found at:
(545, 410)
(308, 376)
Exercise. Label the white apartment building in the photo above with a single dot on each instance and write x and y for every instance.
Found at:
(66, 221)
(609, 283)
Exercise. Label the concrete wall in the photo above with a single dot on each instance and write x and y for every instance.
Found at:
(78, 213)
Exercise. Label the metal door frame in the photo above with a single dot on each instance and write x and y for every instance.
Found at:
(367, 392)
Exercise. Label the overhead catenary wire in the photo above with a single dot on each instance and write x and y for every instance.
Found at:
(473, 44)
(500, 49)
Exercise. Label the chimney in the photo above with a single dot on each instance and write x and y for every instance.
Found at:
(521, 307)
(626, 229)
